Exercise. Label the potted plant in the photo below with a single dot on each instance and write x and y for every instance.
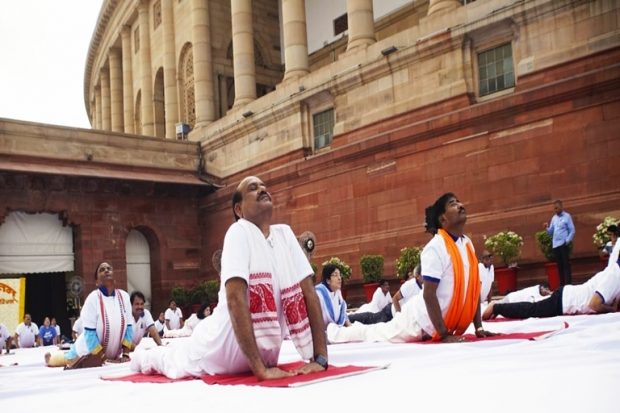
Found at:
(212, 288)
(545, 244)
(372, 271)
(180, 295)
(345, 271)
(506, 245)
(408, 259)
(600, 237)
(198, 296)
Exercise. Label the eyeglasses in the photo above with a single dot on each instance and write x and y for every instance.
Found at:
(105, 268)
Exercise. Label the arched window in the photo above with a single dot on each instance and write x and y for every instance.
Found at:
(187, 85)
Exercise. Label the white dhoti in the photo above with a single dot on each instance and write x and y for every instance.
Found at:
(403, 328)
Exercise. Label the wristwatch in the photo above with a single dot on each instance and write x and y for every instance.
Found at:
(321, 361)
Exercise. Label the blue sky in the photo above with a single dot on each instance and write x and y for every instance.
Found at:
(43, 59)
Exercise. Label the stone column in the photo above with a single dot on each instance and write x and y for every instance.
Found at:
(116, 89)
(146, 81)
(440, 6)
(98, 106)
(223, 95)
(105, 99)
(127, 80)
(93, 113)
(203, 62)
(170, 70)
(243, 51)
(361, 23)
(295, 38)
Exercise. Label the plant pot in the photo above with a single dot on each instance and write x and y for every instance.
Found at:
(506, 280)
(369, 290)
(553, 275)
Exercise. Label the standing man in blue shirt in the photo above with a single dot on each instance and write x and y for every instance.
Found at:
(562, 231)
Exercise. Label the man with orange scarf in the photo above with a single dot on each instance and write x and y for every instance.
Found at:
(451, 295)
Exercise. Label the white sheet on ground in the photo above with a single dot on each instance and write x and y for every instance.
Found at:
(575, 370)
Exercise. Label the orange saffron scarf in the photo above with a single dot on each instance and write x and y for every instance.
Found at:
(461, 310)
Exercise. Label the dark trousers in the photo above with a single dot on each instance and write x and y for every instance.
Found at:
(382, 316)
(549, 307)
(561, 258)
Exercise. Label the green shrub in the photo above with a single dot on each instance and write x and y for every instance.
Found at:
(372, 267)
(180, 295)
(505, 244)
(407, 261)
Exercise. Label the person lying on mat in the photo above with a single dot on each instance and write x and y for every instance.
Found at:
(108, 326)
(191, 323)
(266, 293)
(410, 288)
(333, 306)
(142, 320)
(450, 299)
(381, 298)
(600, 294)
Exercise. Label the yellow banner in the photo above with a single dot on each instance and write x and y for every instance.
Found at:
(12, 300)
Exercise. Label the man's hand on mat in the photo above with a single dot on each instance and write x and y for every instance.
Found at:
(311, 367)
(484, 333)
(276, 373)
(453, 339)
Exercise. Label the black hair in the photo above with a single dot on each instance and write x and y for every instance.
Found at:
(171, 300)
(328, 270)
(236, 199)
(135, 294)
(557, 202)
(201, 312)
(613, 228)
(383, 281)
(433, 212)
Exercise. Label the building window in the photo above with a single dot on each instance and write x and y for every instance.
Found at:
(495, 70)
(156, 14)
(323, 123)
(341, 24)
(136, 40)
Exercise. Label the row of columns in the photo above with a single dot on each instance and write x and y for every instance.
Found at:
(113, 106)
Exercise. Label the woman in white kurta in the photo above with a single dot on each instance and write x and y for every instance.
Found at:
(107, 321)
(330, 296)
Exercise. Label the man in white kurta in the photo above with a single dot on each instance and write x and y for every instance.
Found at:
(5, 338)
(487, 275)
(142, 320)
(415, 322)
(266, 276)
(26, 333)
(380, 298)
(174, 316)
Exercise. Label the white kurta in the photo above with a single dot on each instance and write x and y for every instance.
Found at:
(487, 276)
(78, 327)
(141, 326)
(116, 310)
(27, 335)
(411, 323)
(213, 347)
(174, 317)
(377, 303)
(529, 294)
(575, 298)
(186, 331)
(4, 335)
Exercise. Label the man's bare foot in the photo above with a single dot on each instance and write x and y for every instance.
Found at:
(488, 312)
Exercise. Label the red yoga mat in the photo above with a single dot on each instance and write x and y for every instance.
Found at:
(248, 379)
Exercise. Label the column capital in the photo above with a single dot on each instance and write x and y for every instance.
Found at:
(441, 6)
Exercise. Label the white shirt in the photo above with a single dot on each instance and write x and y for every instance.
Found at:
(27, 334)
(159, 326)
(78, 327)
(214, 347)
(408, 290)
(57, 327)
(174, 317)
(438, 266)
(575, 298)
(4, 335)
(115, 310)
(487, 276)
(141, 326)
(337, 302)
(529, 294)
